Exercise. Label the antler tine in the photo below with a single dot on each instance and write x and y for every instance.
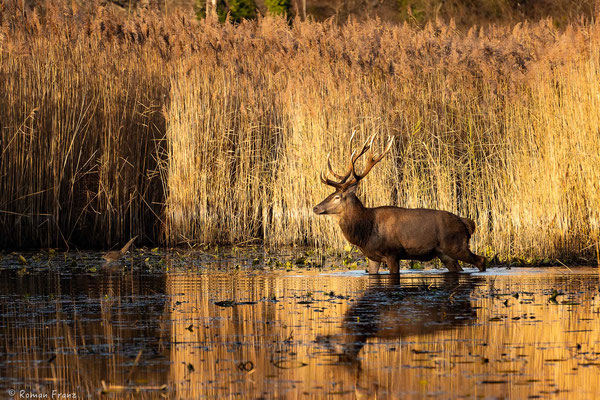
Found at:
(340, 177)
(366, 147)
(372, 139)
(373, 160)
(343, 178)
(384, 152)
(328, 181)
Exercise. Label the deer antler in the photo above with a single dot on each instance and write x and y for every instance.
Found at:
(343, 179)
(373, 160)
(353, 158)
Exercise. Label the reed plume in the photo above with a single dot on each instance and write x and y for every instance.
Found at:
(178, 130)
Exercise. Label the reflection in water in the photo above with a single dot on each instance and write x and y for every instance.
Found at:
(69, 332)
(274, 335)
(393, 308)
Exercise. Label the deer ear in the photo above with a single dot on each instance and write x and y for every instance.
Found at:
(352, 188)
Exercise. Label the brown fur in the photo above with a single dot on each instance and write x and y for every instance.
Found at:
(389, 234)
(470, 225)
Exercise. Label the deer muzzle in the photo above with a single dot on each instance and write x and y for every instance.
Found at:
(319, 209)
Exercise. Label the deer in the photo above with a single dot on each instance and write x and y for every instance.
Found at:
(389, 234)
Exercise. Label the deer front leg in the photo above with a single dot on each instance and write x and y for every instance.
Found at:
(392, 263)
(373, 266)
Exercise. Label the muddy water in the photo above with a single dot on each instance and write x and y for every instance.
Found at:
(204, 332)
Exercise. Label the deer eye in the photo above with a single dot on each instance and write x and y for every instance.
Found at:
(337, 197)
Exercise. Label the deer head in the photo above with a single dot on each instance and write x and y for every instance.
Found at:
(346, 184)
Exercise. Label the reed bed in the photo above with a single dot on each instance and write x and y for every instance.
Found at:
(81, 131)
(186, 131)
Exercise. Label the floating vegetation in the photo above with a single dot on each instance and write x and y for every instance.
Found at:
(183, 329)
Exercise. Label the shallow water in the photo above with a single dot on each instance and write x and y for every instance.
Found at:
(202, 329)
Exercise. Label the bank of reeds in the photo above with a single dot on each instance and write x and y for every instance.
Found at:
(185, 131)
(81, 128)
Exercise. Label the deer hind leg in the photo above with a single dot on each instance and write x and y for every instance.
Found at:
(476, 260)
(467, 256)
(373, 267)
(450, 263)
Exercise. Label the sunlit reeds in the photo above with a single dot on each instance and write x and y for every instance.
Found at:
(180, 130)
(81, 125)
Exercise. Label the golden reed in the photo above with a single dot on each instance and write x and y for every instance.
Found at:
(178, 130)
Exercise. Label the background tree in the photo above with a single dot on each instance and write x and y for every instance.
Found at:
(278, 7)
(237, 9)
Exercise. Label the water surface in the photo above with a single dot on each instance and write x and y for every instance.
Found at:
(207, 329)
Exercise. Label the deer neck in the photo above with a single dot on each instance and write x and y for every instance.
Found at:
(356, 222)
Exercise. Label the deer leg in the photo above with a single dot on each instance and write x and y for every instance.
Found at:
(467, 256)
(373, 267)
(450, 263)
(478, 261)
(392, 263)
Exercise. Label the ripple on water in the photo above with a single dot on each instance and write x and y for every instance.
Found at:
(204, 332)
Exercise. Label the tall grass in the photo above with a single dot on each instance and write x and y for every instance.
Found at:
(187, 131)
(81, 125)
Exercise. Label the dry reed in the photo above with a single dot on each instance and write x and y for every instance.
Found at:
(180, 130)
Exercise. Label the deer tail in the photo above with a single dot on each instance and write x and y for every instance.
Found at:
(470, 224)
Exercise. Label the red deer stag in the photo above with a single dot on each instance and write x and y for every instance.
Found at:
(389, 234)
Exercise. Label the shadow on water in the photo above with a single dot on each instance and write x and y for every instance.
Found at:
(207, 332)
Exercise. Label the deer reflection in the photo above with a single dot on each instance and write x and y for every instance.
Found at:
(394, 307)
